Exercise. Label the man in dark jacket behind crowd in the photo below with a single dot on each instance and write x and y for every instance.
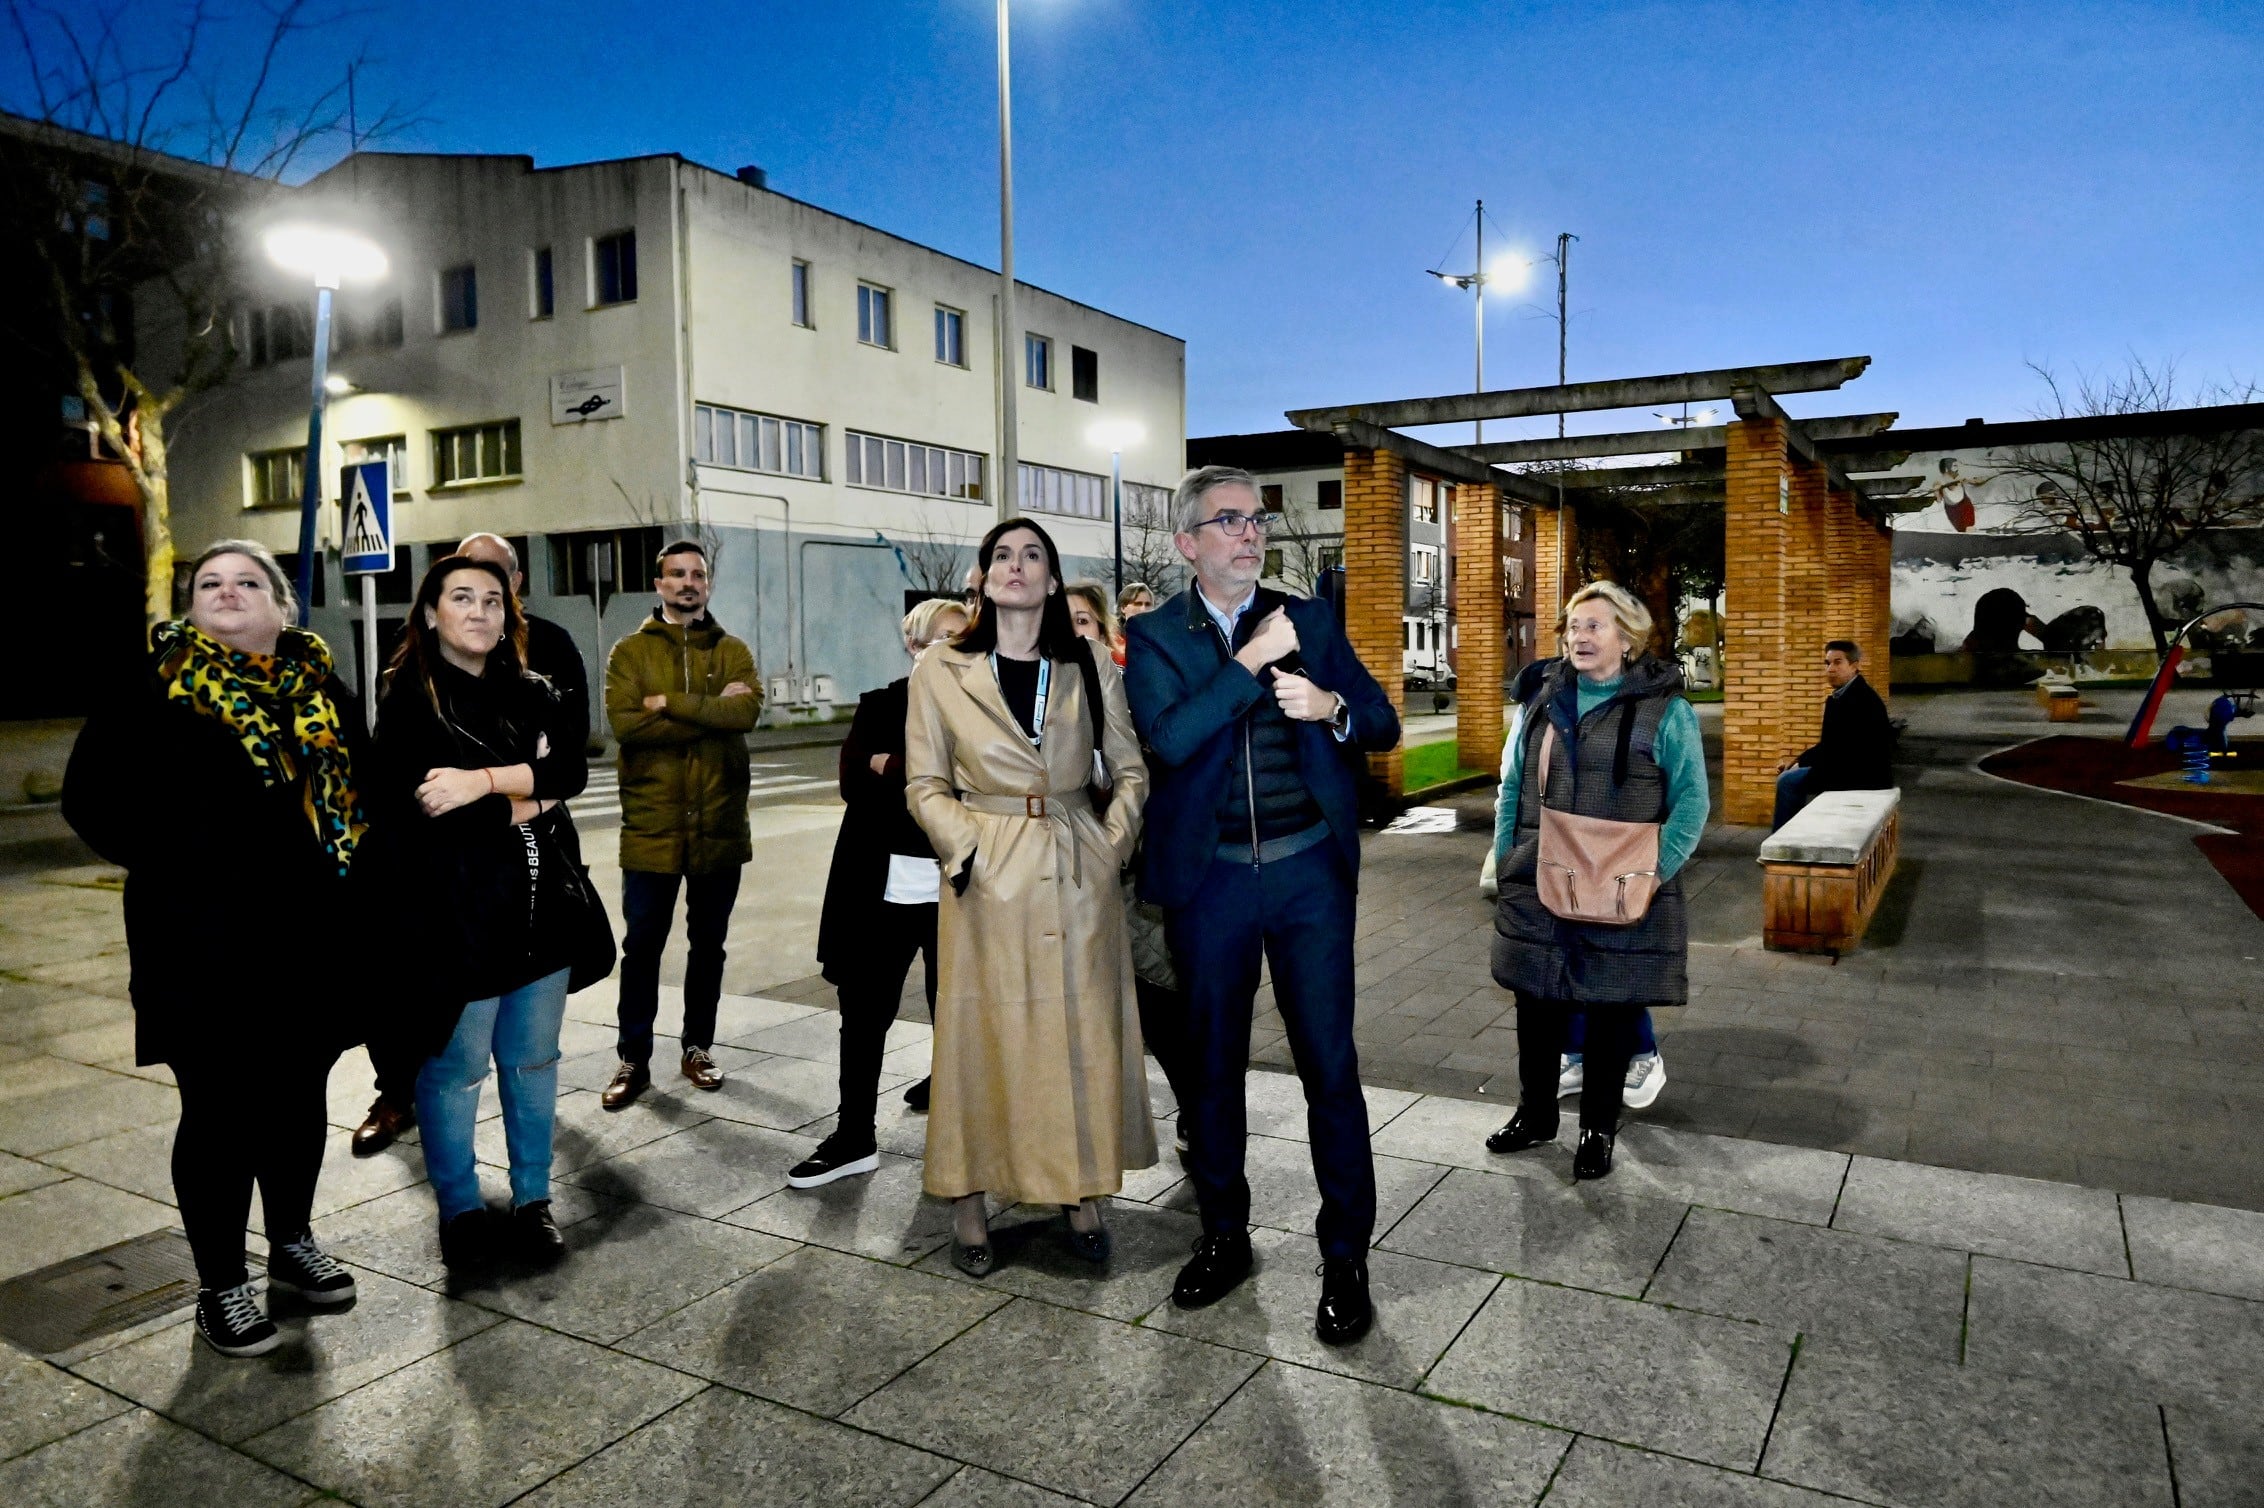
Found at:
(551, 654)
(1856, 751)
(681, 695)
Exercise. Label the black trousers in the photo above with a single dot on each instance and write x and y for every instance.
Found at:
(869, 998)
(1164, 1028)
(1541, 1026)
(239, 1125)
(648, 910)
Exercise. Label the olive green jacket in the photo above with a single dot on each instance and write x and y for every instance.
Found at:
(683, 769)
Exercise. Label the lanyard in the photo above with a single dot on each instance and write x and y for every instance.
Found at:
(1038, 707)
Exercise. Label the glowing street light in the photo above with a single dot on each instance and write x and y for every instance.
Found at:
(327, 257)
(1115, 436)
(1511, 270)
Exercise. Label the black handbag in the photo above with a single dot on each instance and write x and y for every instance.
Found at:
(593, 951)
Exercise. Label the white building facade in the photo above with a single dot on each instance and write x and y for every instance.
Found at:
(591, 360)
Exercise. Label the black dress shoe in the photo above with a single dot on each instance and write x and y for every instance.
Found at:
(1523, 1131)
(534, 1234)
(1594, 1157)
(916, 1098)
(1218, 1267)
(467, 1241)
(1345, 1313)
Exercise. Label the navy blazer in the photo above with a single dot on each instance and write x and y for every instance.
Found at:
(1188, 706)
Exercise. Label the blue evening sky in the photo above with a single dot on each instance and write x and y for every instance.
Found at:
(1955, 190)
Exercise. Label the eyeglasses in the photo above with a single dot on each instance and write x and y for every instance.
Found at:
(1234, 525)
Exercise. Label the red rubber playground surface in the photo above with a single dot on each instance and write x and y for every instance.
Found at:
(2096, 767)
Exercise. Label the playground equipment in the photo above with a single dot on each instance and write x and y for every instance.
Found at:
(2240, 673)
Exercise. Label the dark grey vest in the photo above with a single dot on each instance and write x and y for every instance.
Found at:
(1608, 770)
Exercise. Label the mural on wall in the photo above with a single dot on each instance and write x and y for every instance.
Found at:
(1971, 571)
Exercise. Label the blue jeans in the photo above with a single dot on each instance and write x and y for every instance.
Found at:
(648, 910)
(1297, 914)
(1796, 787)
(519, 1031)
(1576, 1035)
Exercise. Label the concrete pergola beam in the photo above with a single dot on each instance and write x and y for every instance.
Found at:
(1680, 495)
(1359, 435)
(1760, 403)
(1584, 397)
(1641, 476)
(1645, 442)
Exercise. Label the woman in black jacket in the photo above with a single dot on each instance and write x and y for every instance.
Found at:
(225, 784)
(489, 883)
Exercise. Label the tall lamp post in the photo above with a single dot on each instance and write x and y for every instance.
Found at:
(1115, 436)
(327, 257)
(1511, 271)
(1008, 483)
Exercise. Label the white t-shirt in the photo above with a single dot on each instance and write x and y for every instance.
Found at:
(913, 881)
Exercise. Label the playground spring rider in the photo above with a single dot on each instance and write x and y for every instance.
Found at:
(2196, 747)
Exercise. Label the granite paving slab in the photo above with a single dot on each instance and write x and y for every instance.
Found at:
(1284, 1195)
(1292, 1436)
(2217, 1454)
(2196, 1246)
(818, 1037)
(1598, 1474)
(586, 1132)
(138, 1160)
(40, 1403)
(1690, 1384)
(1421, 1306)
(787, 1094)
(57, 1221)
(1070, 1401)
(1275, 1105)
(477, 1424)
(626, 1266)
(1722, 1172)
(817, 1329)
(1580, 1234)
(713, 1168)
(1034, 1260)
(882, 1214)
(725, 1448)
(20, 1173)
(2165, 1345)
(594, 1070)
(1453, 1132)
(40, 1123)
(323, 1356)
(137, 1460)
(39, 1074)
(2024, 1218)
(738, 1017)
(1890, 1295)
(399, 1234)
(1919, 1435)
(977, 1488)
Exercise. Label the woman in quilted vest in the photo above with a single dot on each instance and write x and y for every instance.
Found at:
(1609, 740)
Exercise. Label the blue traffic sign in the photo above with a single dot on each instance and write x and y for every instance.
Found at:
(365, 545)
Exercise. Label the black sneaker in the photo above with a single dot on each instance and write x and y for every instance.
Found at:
(534, 1234)
(232, 1323)
(836, 1157)
(467, 1241)
(303, 1268)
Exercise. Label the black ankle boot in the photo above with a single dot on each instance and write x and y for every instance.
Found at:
(1594, 1157)
(534, 1234)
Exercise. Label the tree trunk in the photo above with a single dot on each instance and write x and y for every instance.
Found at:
(2142, 577)
(157, 523)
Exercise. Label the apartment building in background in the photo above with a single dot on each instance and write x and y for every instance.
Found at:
(591, 360)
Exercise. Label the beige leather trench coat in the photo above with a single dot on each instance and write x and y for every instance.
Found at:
(1040, 1091)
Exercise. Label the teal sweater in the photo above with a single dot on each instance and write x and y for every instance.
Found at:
(1680, 754)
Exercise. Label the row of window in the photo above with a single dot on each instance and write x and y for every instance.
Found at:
(1329, 493)
(461, 456)
(876, 326)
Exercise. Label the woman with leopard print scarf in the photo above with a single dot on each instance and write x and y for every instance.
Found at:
(224, 784)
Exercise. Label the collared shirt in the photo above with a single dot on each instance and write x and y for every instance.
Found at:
(1230, 618)
(1840, 689)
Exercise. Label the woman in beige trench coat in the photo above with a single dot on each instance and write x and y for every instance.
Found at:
(1040, 1092)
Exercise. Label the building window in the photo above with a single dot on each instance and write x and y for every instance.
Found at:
(614, 259)
(355, 328)
(801, 300)
(1332, 556)
(602, 562)
(950, 336)
(1331, 495)
(1423, 499)
(876, 325)
(278, 333)
(1513, 576)
(1084, 374)
(459, 298)
(1513, 524)
(1273, 562)
(1037, 361)
(1147, 505)
(758, 442)
(546, 285)
(317, 579)
(393, 450)
(475, 453)
(1073, 494)
(1425, 564)
(278, 477)
(1269, 494)
(909, 466)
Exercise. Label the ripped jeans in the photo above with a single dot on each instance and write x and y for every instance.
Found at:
(519, 1031)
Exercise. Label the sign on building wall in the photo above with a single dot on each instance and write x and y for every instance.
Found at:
(579, 397)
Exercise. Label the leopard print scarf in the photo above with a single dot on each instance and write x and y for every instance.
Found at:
(250, 695)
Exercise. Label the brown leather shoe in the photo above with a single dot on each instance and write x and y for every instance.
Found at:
(629, 1081)
(386, 1120)
(701, 1069)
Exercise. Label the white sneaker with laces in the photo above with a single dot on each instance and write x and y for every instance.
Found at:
(1570, 1075)
(1646, 1076)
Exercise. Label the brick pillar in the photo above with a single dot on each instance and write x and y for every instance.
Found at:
(1553, 546)
(1878, 557)
(1375, 582)
(1753, 613)
(1814, 608)
(1481, 619)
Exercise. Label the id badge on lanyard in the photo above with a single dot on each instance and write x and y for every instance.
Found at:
(1037, 707)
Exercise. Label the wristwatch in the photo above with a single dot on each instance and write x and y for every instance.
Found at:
(1340, 721)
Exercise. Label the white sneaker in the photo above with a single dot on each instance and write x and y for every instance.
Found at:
(1646, 1076)
(1570, 1075)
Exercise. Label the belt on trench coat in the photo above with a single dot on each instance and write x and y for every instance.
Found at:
(1055, 808)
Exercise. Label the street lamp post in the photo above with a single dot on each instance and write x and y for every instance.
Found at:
(328, 258)
(1114, 437)
(1511, 270)
(1007, 485)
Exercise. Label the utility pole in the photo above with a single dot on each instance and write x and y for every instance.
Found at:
(1478, 426)
(1564, 241)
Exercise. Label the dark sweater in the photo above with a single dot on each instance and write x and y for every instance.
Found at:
(1856, 751)
(1263, 764)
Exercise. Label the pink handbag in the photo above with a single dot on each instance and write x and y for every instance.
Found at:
(1593, 869)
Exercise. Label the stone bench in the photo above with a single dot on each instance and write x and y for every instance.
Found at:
(1824, 871)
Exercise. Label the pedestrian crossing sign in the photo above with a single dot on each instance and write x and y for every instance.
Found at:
(365, 546)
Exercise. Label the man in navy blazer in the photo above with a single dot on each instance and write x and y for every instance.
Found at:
(1253, 707)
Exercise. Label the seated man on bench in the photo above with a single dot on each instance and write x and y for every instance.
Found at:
(1856, 750)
